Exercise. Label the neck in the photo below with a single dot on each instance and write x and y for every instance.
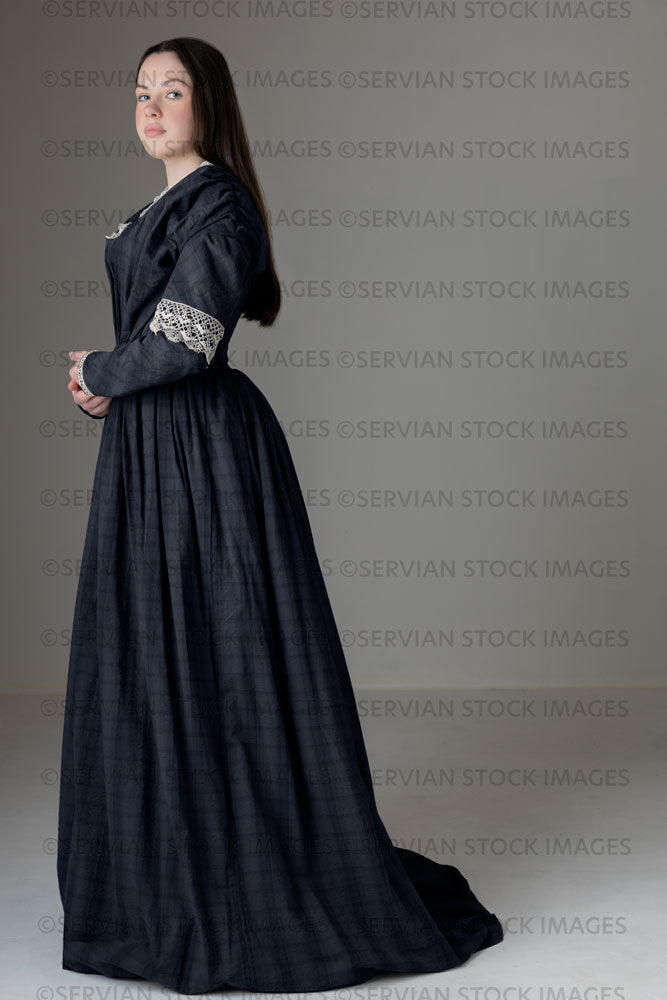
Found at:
(179, 167)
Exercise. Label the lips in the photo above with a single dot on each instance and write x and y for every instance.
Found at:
(153, 130)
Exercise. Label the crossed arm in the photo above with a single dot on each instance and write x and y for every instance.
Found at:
(204, 296)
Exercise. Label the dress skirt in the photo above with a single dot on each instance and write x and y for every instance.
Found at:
(217, 824)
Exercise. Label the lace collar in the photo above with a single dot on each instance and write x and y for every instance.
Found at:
(124, 225)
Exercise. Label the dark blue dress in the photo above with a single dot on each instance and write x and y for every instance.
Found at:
(217, 821)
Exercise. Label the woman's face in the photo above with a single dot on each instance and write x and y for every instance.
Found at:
(163, 114)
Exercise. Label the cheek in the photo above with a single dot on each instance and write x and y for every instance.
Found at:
(181, 115)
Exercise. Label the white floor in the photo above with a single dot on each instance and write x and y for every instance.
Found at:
(557, 821)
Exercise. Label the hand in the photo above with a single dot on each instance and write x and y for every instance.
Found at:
(96, 405)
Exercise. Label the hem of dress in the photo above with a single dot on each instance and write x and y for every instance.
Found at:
(356, 975)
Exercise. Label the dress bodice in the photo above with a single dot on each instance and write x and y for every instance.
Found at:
(183, 263)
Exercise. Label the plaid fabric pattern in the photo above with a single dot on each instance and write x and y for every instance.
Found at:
(217, 821)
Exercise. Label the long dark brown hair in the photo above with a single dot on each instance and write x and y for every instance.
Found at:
(219, 135)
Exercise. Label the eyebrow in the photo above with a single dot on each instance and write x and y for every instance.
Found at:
(171, 79)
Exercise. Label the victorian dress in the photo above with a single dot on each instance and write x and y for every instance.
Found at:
(217, 824)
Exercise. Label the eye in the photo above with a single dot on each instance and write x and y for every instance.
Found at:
(139, 98)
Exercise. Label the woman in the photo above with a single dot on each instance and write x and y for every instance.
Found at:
(217, 823)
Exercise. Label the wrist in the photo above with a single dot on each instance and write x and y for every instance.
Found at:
(79, 372)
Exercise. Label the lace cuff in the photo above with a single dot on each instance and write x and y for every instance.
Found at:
(79, 372)
(196, 329)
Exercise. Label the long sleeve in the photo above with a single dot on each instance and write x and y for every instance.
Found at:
(204, 296)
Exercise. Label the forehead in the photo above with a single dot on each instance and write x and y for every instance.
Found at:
(160, 68)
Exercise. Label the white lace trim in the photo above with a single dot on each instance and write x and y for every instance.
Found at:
(196, 329)
(79, 371)
(124, 225)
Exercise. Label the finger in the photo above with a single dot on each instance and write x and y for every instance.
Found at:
(81, 398)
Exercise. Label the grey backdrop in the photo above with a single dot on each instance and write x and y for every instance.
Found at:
(359, 126)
